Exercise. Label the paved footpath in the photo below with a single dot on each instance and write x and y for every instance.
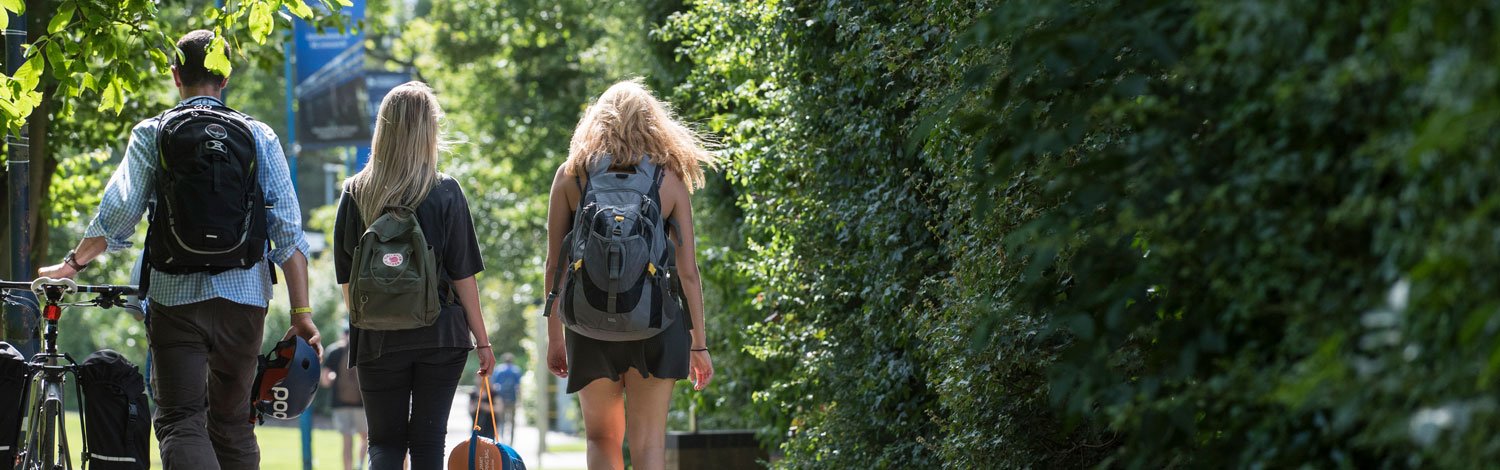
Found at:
(461, 424)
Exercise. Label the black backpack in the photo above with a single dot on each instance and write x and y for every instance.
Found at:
(210, 210)
(116, 415)
(14, 382)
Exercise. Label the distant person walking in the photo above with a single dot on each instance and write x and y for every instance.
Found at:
(623, 273)
(409, 361)
(348, 406)
(507, 384)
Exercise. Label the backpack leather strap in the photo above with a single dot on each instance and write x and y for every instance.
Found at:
(562, 269)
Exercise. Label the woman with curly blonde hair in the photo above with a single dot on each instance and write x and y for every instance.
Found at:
(625, 134)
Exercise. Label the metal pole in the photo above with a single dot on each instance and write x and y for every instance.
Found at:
(544, 396)
(20, 325)
(306, 422)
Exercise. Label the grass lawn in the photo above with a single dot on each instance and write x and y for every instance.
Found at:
(280, 447)
(577, 446)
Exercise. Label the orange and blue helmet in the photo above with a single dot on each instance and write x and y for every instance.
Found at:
(286, 381)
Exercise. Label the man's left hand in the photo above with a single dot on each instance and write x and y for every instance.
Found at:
(302, 325)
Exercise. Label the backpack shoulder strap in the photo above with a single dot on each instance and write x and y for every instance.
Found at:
(648, 166)
(401, 207)
(562, 261)
(659, 174)
(161, 131)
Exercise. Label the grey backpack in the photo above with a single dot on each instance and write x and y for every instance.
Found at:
(618, 260)
(395, 282)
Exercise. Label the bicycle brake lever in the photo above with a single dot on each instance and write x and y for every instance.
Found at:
(135, 311)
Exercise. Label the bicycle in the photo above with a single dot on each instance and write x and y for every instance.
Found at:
(44, 438)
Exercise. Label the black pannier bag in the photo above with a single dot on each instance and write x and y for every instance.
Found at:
(14, 379)
(116, 415)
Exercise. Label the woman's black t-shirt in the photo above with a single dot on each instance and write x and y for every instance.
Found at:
(445, 221)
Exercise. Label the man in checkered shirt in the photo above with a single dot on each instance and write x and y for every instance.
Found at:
(205, 329)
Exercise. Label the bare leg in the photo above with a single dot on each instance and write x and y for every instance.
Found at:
(646, 419)
(348, 452)
(364, 449)
(603, 403)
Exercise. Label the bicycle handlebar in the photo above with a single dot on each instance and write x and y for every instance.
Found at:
(69, 286)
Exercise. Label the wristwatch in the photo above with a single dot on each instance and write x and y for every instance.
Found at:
(73, 263)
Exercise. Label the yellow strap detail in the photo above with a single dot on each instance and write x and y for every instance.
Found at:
(578, 264)
(651, 268)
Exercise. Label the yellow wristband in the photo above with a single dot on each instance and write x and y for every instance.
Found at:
(300, 310)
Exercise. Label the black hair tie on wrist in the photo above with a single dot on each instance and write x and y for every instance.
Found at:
(696, 350)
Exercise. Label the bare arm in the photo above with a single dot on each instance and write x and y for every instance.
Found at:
(675, 195)
(295, 269)
(687, 256)
(559, 215)
(468, 296)
(88, 249)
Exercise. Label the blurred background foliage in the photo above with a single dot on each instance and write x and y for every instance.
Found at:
(1035, 233)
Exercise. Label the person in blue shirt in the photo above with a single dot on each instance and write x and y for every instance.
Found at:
(205, 329)
(505, 382)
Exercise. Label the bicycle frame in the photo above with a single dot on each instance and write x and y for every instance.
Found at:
(46, 443)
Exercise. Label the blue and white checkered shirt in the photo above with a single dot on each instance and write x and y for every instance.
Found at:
(130, 192)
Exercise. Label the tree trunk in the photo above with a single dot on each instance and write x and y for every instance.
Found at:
(43, 166)
(5, 254)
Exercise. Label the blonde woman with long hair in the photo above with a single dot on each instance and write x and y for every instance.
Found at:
(408, 377)
(625, 132)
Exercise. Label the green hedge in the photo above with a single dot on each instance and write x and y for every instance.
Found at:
(1066, 233)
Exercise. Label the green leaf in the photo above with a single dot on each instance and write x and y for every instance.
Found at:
(30, 73)
(113, 97)
(345, 3)
(4, 20)
(216, 60)
(261, 22)
(159, 58)
(62, 17)
(8, 107)
(29, 102)
(55, 57)
(14, 6)
(300, 9)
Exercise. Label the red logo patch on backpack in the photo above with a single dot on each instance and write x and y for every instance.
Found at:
(392, 259)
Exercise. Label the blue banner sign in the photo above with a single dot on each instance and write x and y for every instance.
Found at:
(331, 93)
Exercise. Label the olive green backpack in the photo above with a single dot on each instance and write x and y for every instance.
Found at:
(395, 281)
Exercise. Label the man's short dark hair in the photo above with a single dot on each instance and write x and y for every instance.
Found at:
(193, 47)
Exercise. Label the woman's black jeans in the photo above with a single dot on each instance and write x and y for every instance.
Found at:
(422, 381)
